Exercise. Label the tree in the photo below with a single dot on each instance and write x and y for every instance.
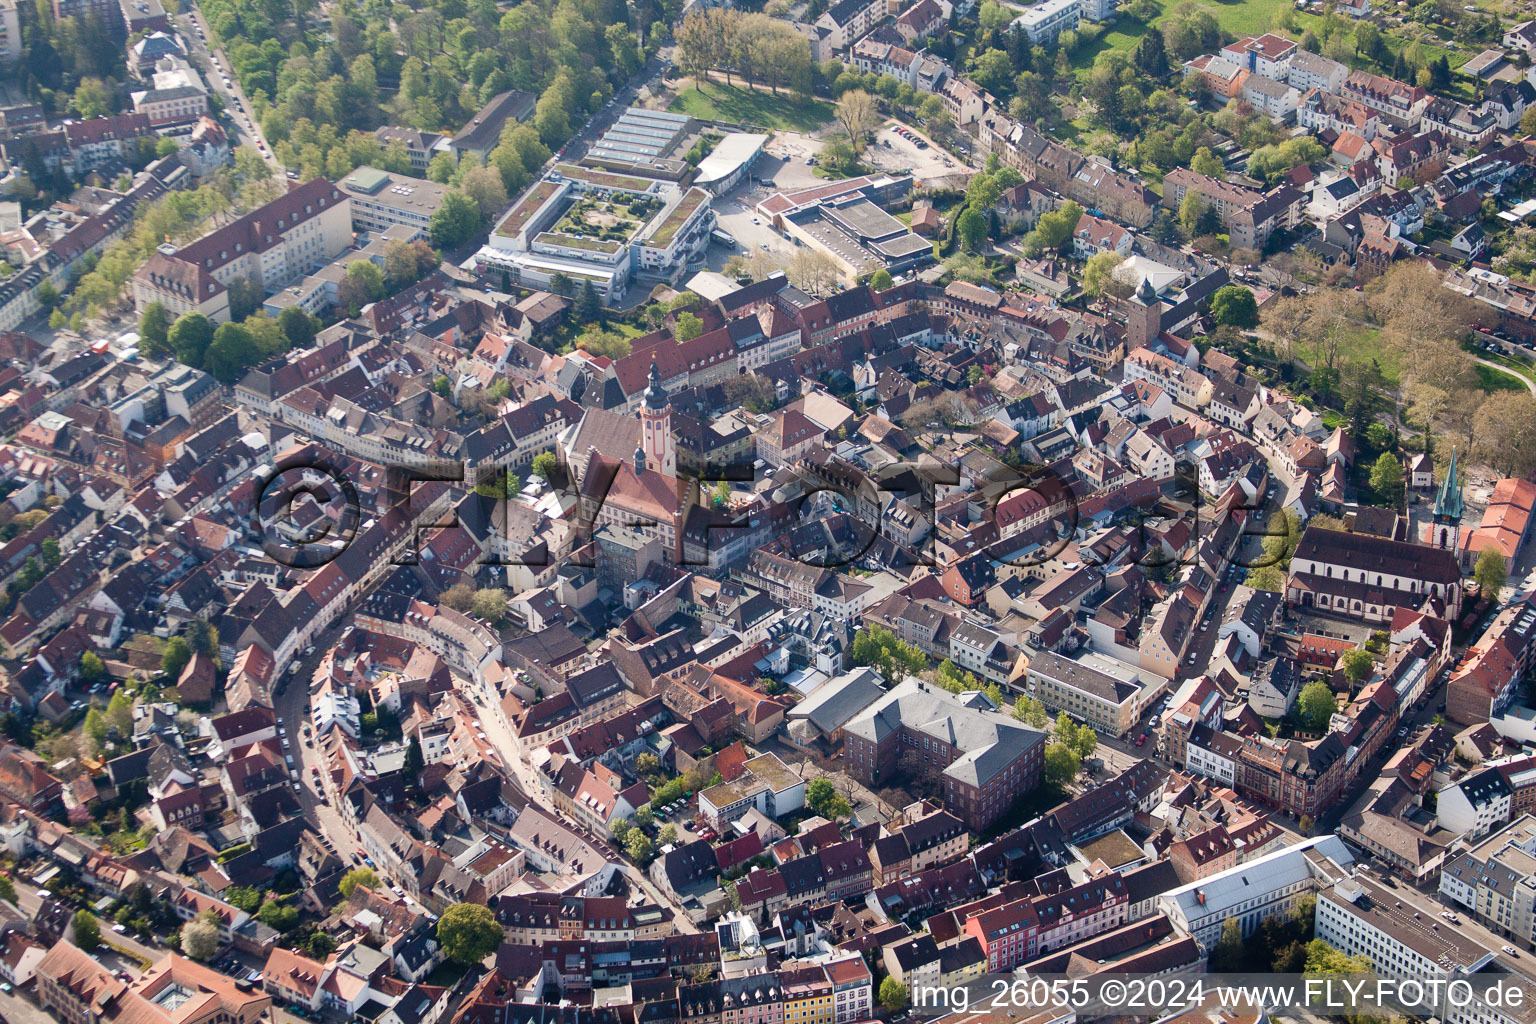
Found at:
(825, 800)
(880, 280)
(588, 308)
(1195, 217)
(361, 876)
(120, 713)
(1528, 122)
(200, 936)
(362, 284)
(1099, 274)
(1054, 229)
(1230, 950)
(92, 671)
(639, 847)
(95, 728)
(880, 649)
(668, 834)
(1504, 432)
(1490, 572)
(893, 995)
(1316, 705)
(7, 889)
(972, 227)
(490, 604)
(87, 930)
(604, 343)
(1061, 763)
(297, 326)
(1031, 712)
(857, 116)
(688, 327)
(545, 464)
(234, 350)
(468, 933)
(189, 338)
(1085, 741)
(277, 915)
(1151, 56)
(455, 222)
(1233, 304)
(155, 329)
(1190, 29)
(1358, 665)
(814, 271)
(175, 656)
(459, 597)
(485, 187)
(1387, 480)
(1207, 163)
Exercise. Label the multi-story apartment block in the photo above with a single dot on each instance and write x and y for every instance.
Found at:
(1269, 55)
(1097, 690)
(1045, 22)
(10, 31)
(847, 21)
(1402, 933)
(1496, 880)
(1313, 71)
(851, 989)
(1400, 103)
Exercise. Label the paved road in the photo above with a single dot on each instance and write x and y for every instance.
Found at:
(292, 706)
(506, 747)
(202, 50)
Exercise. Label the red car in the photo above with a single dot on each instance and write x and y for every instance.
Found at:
(1141, 739)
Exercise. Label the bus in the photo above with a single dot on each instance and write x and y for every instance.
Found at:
(723, 238)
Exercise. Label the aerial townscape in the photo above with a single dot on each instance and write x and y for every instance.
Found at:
(741, 512)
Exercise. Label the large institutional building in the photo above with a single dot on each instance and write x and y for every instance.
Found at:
(274, 246)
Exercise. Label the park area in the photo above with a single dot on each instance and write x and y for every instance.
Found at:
(754, 107)
(1236, 18)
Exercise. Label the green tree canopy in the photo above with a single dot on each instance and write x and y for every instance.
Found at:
(1490, 572)
(364, 876)
(1316, 705)
(455, 222)
(155, 329)
(468, 933)
(190, 337)
(1233, 304)
(87, 930)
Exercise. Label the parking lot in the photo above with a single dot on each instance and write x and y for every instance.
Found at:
(891, 151)
(783, 161)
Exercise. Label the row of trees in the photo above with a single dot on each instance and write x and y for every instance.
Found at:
(752, 45)
(177, 216)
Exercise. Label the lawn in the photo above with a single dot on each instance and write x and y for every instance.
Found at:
(1490, 379)
(1239, 18)
(756, 107)
(1363, 346)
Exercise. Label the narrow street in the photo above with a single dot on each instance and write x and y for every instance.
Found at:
(506, 747)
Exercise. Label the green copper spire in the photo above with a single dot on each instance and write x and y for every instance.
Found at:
(1448, 501)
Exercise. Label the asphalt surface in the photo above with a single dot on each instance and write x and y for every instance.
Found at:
(238, 115)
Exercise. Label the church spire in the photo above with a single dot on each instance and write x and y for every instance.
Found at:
(1448, 505)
